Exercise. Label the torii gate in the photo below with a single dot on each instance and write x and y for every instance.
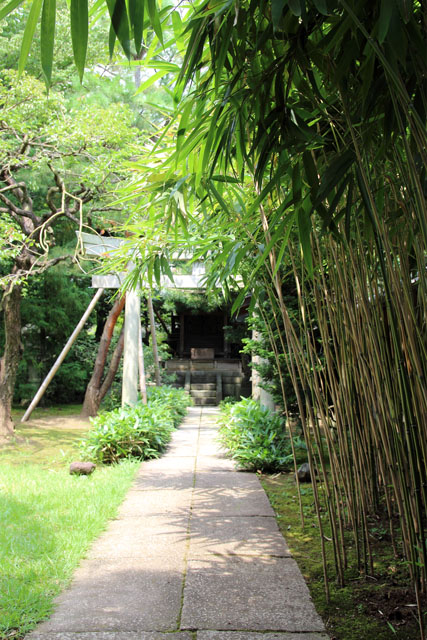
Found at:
(96, 245)
(133, 359)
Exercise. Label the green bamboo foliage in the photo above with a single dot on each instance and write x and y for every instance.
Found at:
(357, 353)
(364, 400)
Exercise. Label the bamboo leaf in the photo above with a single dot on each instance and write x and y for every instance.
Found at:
(111, 40)
(213, 132)
(177, 28)
(120, 21)
(296, 183)
(219, 198)
(334, 174)
(166, 267)
(47, 37)
(239, 300)
(304, 228)
(152, 79)
(94, 8)
(349, 206)
(157, 265)
(79, 33)
(277, 7)
(310, 171)
(136, 16)
(154, 18)
(321, 6)
(9, 8)
(405, 8)
(386, 13)
(281, 232)
(228, 179)
(27, 39)
(296, 7)
(221, 55)
(335, 202)
(284, 240)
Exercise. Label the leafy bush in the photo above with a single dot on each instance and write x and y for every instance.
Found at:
(141, 431)
(174, 400)
(256, 438)
(227, 400)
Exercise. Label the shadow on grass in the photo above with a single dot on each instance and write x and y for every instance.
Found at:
(50, 443)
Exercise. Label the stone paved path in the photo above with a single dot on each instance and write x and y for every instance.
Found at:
(195, 554)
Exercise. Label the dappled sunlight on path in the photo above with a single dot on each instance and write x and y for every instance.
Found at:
(194, 554)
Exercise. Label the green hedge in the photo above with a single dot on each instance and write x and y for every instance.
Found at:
(141, 431)
(256, 438)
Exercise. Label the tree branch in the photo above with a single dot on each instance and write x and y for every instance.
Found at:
(114, 365)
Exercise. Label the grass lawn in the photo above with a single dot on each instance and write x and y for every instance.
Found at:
(47, 517)
(379, 607)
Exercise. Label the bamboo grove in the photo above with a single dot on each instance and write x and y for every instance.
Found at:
(302, 131)
(297, 153)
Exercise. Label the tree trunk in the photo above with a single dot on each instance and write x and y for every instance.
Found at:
(9, 362)
(93, 391)
(112, 369)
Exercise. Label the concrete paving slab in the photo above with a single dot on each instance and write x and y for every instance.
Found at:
(170, 479)
(236, 480)
(157, 502)
(110, 635)
(215, 463)
(156, 536)
(120, 595)
(236, 536)
(208, 449)
(237, 501)
(209, 441)
(208, 431)
(208, 444)
(190, 430)
(248, 635)
(176, 450)
(188, 426)
(252, 594)
(185, 437)
(184, 463)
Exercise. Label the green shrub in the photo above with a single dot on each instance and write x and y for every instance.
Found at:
(175, 400)
(227, 400)
(256, 438)
(141, 431)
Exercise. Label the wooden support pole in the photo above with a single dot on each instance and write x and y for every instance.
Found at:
(142, 381)
(60, 359)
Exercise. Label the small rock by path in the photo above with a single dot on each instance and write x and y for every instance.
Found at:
(194, 554)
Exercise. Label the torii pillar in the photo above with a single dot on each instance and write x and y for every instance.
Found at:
(130, 351)
(102, 246)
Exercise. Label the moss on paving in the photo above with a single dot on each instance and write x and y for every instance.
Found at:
(380, 606)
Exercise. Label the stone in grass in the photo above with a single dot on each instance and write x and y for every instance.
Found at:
(82, 468)
(304, 473)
